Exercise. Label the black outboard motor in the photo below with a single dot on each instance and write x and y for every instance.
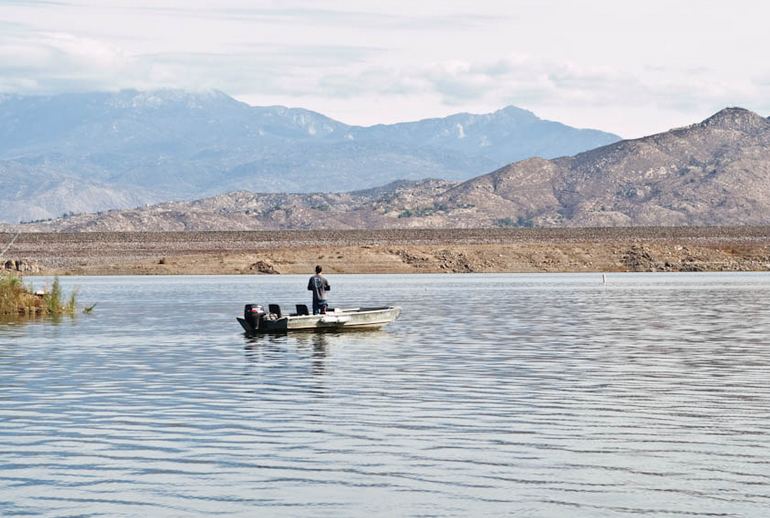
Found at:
(253, 314)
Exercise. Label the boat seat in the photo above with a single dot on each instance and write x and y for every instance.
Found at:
(302, 309)
(275, 309)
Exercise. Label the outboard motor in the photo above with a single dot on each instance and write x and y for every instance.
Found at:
(253, 315)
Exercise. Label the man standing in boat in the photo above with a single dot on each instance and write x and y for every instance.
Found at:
(319, 286)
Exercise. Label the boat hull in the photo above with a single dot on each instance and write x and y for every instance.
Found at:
(339, 320)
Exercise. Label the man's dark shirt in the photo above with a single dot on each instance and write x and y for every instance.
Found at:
(319, 286)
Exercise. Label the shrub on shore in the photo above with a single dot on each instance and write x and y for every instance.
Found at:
(16, 299)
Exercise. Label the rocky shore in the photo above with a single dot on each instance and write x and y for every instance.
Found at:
(686, 249)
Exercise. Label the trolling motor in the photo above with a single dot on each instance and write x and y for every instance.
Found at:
(253, 315)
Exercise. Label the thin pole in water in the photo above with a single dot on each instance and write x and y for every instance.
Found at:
(604, 278)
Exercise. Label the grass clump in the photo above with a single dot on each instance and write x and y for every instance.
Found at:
(16, 299)
(55, 300)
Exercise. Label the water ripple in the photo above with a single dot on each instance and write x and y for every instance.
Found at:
(532, 395)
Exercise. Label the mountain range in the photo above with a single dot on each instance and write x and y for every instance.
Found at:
(97, 151)
(716, 172)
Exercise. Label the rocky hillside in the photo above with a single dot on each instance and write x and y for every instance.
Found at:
(91, 152)
(383, 207)
(716, 172)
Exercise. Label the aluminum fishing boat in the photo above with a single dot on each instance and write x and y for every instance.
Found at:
(258, 321)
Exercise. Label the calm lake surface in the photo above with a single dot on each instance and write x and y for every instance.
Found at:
(531, 395)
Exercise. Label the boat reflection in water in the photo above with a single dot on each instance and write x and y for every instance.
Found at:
(277, 351)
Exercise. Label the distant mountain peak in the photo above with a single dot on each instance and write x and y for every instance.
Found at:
(738, 119)
(515, 110)
(164, 97)
(147, 146)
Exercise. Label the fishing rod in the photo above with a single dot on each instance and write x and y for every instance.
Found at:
(9, 245)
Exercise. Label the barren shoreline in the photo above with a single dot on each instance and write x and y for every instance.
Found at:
(393, 251)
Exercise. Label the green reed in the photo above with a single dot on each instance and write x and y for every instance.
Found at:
(18, 299)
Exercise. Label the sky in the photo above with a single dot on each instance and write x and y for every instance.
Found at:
(633, 68)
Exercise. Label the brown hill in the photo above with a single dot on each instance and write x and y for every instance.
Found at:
(716, 172)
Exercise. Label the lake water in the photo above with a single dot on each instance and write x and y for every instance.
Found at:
(529, 395)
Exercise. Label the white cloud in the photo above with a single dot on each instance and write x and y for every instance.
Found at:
(597, 63)
(547, 85)
(53, 61)
(50, 62)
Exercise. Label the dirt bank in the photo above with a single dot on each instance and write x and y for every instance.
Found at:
(396, 251)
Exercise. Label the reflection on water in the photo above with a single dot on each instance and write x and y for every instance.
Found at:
(310, 349)
(532, 395)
